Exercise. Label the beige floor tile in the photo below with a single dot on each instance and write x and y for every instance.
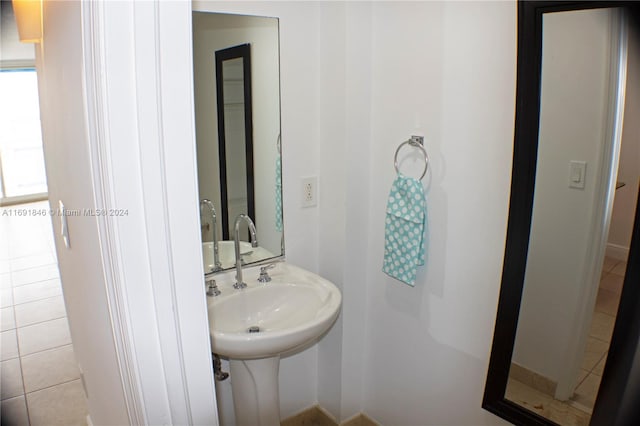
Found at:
(48, 368)
(5, 280)
(10, 379)
(588, 389)
(22, 248)
(602, 326)
(557, 412)
(42, 336)
(620, 269)
(6, 297)
(583, 375)
(30, 258)
(576, 417)
(607, 302)
(8, 345)
(63, 405)
(37, 291)
(527, 397)
(612, 282)
(7, 319)
(29, 262)
(581, 403)
(14, 411)
(40, 310)
(34, 275)
(26, 240)
(593, 353)
(608, 264)
(599, 368)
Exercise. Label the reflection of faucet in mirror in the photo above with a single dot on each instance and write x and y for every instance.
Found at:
(217, 266)
(236, 239)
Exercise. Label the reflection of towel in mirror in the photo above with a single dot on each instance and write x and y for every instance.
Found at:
(404, 230)
(279, 226)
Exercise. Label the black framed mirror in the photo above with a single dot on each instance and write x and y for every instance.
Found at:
(547, 91)
(235, 134)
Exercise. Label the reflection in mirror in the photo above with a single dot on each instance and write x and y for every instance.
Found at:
(574, 193)
(237, 115)
(235, 135)
(567, 313)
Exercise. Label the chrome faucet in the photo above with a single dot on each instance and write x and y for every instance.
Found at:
(217, 266)
(264, 274)
(236, 242)
(212, 287)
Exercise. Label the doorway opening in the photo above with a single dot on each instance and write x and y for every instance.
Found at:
(40, 378)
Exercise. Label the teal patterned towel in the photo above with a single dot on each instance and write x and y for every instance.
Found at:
(404, 230)
(279, 226)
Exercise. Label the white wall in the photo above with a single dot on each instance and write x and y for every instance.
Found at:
(69, 176)
(333, 92)
(573, 126)
(624, 206)
(446, 70)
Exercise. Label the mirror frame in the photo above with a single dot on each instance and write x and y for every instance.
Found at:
(242, 51)
(619, 389)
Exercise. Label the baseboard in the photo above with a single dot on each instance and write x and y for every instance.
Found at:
(312, 416)
(617, 252)
(360, 419)
(318, 416)
(533, 379)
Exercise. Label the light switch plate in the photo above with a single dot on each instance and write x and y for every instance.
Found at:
(577, 174)
(64, 226)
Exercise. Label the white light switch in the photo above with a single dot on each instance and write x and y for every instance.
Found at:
(577, 172)
(64, 226)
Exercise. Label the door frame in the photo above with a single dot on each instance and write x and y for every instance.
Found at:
(157, 304)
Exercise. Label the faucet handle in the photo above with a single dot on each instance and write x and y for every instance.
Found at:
(212, 288)
(264, 275)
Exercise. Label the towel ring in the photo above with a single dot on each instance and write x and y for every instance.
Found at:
(415, 141)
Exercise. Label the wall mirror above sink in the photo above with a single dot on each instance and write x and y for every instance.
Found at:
(237, 117)
(566, 332)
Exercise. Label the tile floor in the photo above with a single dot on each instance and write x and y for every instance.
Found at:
(578, 410)
(599, 339)
(40, 382)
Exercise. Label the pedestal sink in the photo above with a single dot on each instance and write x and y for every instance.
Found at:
(254, 326)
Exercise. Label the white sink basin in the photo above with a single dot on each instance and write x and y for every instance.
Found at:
(227, 254)
(291, 310)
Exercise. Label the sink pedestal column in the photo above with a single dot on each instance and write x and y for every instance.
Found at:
(254, 385)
